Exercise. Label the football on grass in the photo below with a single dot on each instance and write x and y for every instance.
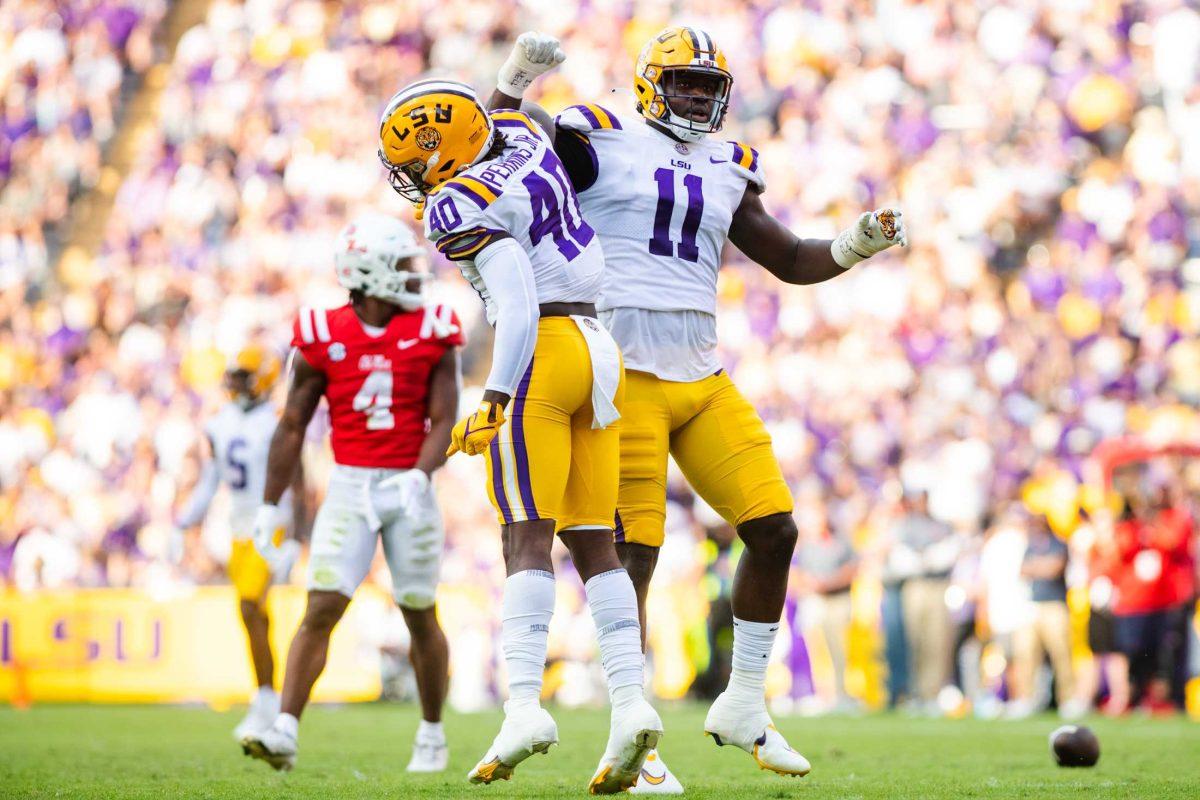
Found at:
(1075, 746)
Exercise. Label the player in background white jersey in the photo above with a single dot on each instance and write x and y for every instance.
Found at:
(239, 436)
(664, 199)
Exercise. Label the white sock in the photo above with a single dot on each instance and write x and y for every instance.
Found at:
(431, 730)
(752, 645)
(286, 723)
(263, 695)
(526, 611)
(613, 603)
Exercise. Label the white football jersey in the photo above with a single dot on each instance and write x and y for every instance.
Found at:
(524, 194)
(240, 442)
(662, 208)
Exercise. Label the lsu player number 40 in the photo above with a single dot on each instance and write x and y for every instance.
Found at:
(663, 197)
(498, 202)
(387, 364)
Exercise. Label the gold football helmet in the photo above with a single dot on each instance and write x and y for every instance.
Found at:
(252, 374)
(430, 131)
(682, 82)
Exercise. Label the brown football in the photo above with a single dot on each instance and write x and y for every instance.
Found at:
(1075, 746)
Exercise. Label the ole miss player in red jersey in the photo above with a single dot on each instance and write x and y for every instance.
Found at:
(387, 364)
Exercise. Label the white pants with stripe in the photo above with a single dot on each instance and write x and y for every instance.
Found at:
(356, 513)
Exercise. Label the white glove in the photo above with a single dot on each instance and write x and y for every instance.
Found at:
(873, 233)
(270, 527)
(534, 54)
(176, 544)
(412, 488)
(281, 568)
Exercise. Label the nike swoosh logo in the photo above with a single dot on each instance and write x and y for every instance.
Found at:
(652, 779)
(404, 344)
(712, 160)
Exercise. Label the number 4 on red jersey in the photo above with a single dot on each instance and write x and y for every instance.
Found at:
(377, 382)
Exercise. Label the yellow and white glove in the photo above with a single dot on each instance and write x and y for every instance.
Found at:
(473, 434)
(270, 529)
(873, 232)
(533, 54)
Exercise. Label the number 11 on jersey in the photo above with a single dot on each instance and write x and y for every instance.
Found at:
(661, 243)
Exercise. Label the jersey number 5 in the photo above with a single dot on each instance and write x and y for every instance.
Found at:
(375, 400)
(237, 464)
(660, 242)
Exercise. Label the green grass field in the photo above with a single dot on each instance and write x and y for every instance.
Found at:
(360, 752)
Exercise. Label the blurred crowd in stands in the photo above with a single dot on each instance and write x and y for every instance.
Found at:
(936, 410)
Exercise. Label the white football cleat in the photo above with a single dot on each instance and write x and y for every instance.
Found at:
(277, 748)
(430, 754)
(526, 730)
(263, 711)
(656, 778)
(633, 733)
(749, 727)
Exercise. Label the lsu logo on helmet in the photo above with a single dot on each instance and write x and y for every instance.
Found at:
(428, 138)
(683, 55)
(430, 131)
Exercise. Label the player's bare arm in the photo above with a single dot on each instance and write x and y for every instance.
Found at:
(443, 408)
(767, 242)
(299, 504)
(304, 393)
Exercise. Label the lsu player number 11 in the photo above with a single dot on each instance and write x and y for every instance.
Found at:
(498, 202)
(664, 198)
(387, 364)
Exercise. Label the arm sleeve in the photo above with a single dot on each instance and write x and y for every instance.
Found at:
(578, 157)
(508, 275)
(574, 126)
(202, 496)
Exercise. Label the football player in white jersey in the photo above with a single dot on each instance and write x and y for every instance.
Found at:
(497, 201)
(239, 436)
(664, 198)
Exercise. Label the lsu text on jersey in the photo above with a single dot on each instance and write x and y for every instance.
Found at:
(662, 210)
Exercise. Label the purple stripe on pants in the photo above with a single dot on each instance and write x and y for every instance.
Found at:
(498, 481)
(519, 449)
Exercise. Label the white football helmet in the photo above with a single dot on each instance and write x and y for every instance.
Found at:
(368, 250)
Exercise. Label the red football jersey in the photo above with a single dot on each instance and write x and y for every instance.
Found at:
(377, 387)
